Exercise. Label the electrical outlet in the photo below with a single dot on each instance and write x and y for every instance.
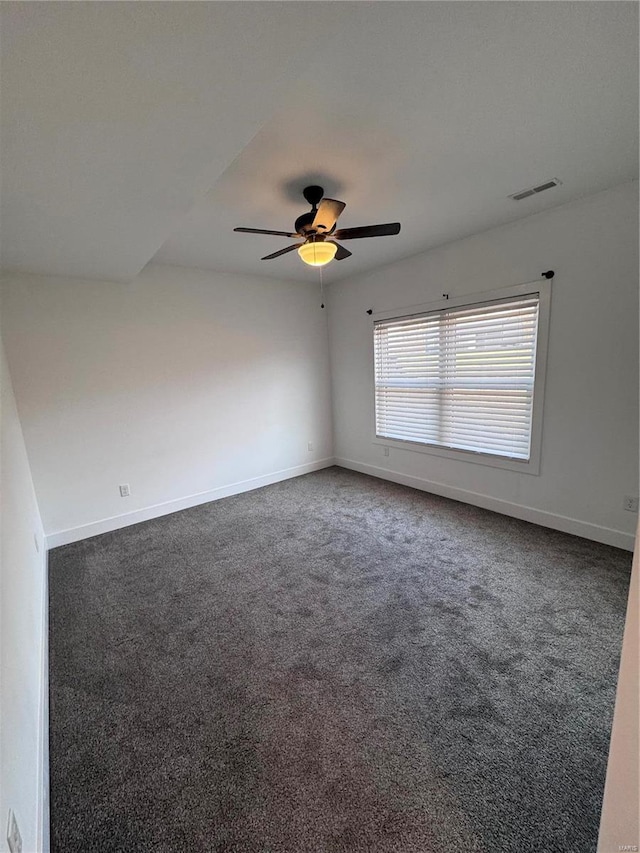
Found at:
(310, 446)
(630, 503)
(386, 451)
(125, 491)
(13, 834)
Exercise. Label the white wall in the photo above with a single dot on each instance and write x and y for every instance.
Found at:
(589, 443)
(182, 383)
(22, 636)
(620, 824)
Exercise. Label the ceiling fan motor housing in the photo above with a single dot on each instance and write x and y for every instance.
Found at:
(314, 196)
(304, 222)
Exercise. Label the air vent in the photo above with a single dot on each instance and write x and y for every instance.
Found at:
(523, 194)
(554, 182)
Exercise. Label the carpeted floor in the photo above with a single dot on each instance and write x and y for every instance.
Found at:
(333, 663)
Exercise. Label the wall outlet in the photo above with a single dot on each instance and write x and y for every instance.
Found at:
(125, 491)
(310, 446)
(630, 503)
(386, 451)
(13, 834)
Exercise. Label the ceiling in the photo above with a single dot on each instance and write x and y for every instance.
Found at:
(134, 132)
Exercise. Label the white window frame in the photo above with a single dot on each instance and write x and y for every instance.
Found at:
(527, 466)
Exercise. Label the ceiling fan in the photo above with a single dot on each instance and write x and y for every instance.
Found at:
(317, 229)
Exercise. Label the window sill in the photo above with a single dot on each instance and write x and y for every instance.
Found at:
(524, 466)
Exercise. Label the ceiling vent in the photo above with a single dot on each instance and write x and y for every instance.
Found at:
(554, 182)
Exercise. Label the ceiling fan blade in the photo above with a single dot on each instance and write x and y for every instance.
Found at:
(342, 253)
(281, 252)
(261, 231)
(328, 212)
(367, 231)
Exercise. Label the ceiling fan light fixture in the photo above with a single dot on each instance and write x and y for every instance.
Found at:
(317, 253)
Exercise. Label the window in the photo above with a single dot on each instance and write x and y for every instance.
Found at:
(462, 379)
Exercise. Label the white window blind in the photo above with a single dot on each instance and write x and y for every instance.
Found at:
(459, 378)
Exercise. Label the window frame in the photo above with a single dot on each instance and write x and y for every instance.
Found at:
(527, 466)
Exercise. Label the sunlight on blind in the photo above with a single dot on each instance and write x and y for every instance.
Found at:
(459, 378)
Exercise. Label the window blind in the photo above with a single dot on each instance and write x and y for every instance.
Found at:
(460, 378)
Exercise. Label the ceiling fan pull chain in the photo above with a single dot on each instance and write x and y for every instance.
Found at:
(321, 288)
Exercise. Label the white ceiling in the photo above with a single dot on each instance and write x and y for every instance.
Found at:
(139, 131)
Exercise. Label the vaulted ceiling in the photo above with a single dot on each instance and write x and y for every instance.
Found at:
(134, 132)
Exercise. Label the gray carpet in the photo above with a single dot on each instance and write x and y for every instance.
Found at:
(332, 663)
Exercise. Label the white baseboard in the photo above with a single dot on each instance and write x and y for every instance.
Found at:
(587, 530)
(106, 525)
(596, 532)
